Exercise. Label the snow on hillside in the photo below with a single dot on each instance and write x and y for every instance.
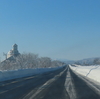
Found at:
(89, 61)
(92, 71)
(12, 74)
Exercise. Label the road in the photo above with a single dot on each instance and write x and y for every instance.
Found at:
(81, 87)
(60, 84)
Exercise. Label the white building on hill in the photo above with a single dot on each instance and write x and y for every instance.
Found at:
(14, 52)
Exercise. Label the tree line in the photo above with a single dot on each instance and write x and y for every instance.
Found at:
(29, 60)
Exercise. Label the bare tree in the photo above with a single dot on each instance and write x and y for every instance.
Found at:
(44, 62)
(28, 60)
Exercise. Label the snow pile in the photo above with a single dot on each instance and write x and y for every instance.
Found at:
(7, 75)
(92, 71)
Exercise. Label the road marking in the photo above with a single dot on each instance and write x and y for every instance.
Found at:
(3, 92)
(10, 89)
(18, 81)
(29, 78)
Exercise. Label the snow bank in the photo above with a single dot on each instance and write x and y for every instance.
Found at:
(92, 71)
(7, 75)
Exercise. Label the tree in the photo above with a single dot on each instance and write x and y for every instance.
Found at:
(44, 62)
(96, 61)
(27, 60)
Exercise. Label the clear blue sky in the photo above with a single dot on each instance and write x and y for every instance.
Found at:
(62, 29)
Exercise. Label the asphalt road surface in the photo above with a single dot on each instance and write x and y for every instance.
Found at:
(81, 87)
(60, 84)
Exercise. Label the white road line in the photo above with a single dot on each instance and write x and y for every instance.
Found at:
(17, 81)
(10, 89)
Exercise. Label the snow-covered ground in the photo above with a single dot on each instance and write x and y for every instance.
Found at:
(92, 72)
(7, 75)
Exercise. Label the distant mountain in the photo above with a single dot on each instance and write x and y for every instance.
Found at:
(88, 61)
(67, 61)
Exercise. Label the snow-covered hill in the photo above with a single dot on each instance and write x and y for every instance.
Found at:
(88, 61)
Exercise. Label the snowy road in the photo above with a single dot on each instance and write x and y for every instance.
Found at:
(20, 88)
(59, 84)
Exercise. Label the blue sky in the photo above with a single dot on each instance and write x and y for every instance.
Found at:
(59, 29)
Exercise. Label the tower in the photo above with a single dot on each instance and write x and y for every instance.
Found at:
(14, 52)
(15, 46)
